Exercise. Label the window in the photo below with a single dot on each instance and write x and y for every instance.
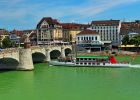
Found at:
(96, 38)
(81, 38)
(78, 38)
(86, 38)
(85, 63)
(89, 38)
(92, 38)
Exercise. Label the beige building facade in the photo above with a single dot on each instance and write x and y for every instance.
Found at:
(49, 31)
(70, 30)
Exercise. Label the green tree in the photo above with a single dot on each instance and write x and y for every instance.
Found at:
(132, 41)
(125, 40)
(137, 40)
(6, 43)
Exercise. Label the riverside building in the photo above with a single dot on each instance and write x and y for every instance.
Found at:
(90, 40)
(49, 31)
(70, 30)
(109, 30)
(130, 28)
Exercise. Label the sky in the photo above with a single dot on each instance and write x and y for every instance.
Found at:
(25, 14)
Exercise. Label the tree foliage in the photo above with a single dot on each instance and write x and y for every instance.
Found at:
(137, 40)
(125, 40)
(131, 41)
(7, 43)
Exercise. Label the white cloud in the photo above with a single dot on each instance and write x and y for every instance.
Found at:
(21, 10)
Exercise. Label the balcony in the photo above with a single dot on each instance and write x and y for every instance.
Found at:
(90, 42)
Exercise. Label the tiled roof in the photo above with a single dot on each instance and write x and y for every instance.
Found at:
(29, 31)
(87, 31)
(106, 22)
(17, 32)
(49, 20)
(128, 27)
(4, 32)
(74, 26)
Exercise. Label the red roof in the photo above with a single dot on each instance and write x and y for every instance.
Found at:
(106, 22)
(87, 31)
(74, 26)
(17, 32)
(128, 27)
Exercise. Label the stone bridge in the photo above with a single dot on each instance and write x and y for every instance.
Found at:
(23, 59)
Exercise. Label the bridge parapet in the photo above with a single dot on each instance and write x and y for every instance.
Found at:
(24, 56)
(10, 53)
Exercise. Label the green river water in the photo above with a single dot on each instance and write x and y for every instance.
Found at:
(65, 83)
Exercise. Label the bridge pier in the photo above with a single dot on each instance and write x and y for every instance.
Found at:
(25, 57)
(63, 52)
(25, 60)
(47, 55)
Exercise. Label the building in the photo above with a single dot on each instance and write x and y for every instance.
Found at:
(129, 28)
(49, 31)
(15, 38)
(70, 30)
(20, 35)
(90, 40)
(32, 35)
(109, 30)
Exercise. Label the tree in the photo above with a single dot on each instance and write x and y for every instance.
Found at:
(125, 40)
(132, 41)
(6, 43)
(137, 40)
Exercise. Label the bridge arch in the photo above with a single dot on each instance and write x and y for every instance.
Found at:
(54, 54)
(38, 57)
(68, 51)
(8, 63)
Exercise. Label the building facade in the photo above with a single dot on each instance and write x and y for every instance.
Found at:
(129, 28)
(49, 31)
(19, 36)
(89, 39)
(32, 35)
(70, 30)
(109, 30)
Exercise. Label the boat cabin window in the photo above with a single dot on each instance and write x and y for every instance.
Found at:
(85, 58)
(85, 63)
(81, 63)
(89, 59)
(89, 63)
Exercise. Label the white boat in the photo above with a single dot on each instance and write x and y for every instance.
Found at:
(92, 61)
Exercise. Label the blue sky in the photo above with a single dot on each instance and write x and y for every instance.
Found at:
(25, 14)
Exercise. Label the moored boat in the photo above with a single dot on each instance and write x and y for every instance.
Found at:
(92, 61)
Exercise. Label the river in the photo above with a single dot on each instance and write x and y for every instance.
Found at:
(65, 83)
